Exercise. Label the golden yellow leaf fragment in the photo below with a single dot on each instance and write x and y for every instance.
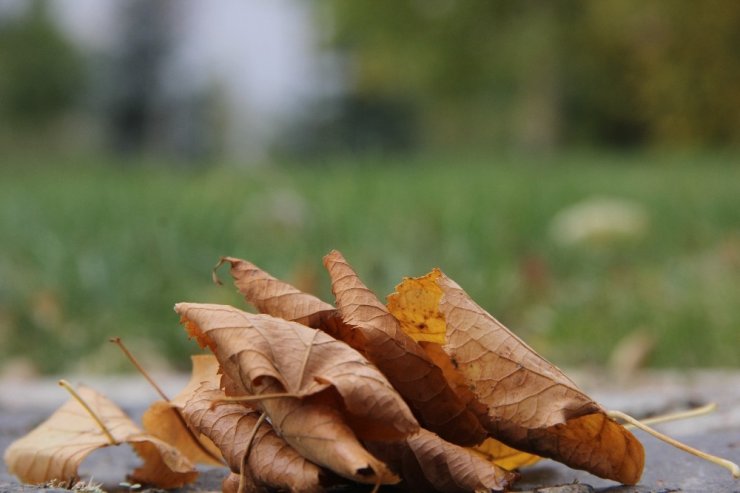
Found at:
(530, 404)
(162, 421)
(416, 307)
(56, 448)
(504, 456)
(272, 462)
(408, 367)
(320, 394)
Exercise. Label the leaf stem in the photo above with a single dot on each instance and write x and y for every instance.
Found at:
(66, 385)
(244, 467)
(214, 273)
(691, 413)
(117, 341)
(253, 398)
(306, 357)
(730, 466)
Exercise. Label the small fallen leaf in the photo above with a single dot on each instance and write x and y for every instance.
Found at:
(162, 421)
(408, 367)
(319, 393)
(531, 405)
(272, 462)
(55, 449)
(428, 463)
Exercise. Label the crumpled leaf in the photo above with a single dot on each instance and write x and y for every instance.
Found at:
(531, 405)
(429, 463)
(56, 448)
(162, 421)
(272, 462)
(339, 396)
(408, 367)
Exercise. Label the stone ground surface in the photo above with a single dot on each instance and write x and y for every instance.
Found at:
(25, 403)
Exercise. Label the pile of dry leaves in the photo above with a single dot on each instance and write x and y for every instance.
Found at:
(429, 390)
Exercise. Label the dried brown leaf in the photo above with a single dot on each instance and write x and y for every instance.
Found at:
(56, 448)
(531, 405)
(323, 385)
(272, 462)
(162, 421)
(230, 484)
(274, 297)
(428, 463)
(408, 367)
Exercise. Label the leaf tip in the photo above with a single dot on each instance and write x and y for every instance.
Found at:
(214, 272)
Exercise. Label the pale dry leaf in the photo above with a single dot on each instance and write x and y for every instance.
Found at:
(408, 367)
(531, 405)
(272, 462)
(428, 463)
(324, 386)
(162, 421)
(55, 449)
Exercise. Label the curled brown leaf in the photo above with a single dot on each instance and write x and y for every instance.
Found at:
(318, 392)
(272, 462)
(408, 367)
(530, 404)
(429, 463)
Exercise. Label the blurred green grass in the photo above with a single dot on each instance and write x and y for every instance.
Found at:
(90, 250)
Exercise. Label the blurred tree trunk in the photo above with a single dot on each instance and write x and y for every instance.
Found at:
(136, 112)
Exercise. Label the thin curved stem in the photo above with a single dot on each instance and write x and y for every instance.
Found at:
(178, 414)
(729, 465)
(665, 418)
(66, 385)
(244, 466)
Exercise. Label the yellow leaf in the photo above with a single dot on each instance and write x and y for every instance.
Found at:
(415, 306)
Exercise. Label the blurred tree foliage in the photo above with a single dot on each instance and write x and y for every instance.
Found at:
(41, 72)
(540, 74)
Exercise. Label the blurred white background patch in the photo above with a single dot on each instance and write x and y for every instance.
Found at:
(600, 220)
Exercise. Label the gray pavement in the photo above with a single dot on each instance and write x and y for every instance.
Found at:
(25, 403)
